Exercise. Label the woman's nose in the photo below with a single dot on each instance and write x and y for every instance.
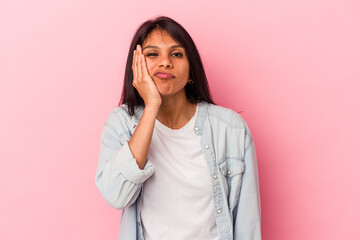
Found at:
(165, 61)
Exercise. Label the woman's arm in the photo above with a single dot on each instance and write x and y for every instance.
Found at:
(118, 176)
(140, 141)
(247, 213)
(123, 165)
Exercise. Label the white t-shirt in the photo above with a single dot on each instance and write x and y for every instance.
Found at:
(177, 201)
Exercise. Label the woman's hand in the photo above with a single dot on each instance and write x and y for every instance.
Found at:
(142, 81)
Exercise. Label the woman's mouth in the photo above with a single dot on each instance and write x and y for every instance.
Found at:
(164, 75)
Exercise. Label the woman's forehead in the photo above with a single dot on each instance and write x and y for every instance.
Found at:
(160, 38)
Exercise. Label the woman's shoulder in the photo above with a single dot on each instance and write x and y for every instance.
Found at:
(226, 115)
(229, 118)
(120, 114)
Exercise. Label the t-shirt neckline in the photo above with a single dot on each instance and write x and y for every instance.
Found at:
(186, 128)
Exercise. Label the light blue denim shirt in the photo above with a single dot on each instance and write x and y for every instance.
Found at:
(229, 150)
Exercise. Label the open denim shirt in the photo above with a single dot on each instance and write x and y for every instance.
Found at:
(229, 150)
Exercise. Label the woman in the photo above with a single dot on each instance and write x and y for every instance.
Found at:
(179, 166)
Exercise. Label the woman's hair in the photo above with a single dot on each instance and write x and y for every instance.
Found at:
(195, 92)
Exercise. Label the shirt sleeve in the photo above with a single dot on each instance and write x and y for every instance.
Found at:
(118, 177)
(247, 212)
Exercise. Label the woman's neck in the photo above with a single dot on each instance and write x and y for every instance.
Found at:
(176, 112)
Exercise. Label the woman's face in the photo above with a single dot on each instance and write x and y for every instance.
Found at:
(163, 54)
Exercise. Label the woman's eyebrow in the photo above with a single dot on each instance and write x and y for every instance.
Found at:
(153, 46)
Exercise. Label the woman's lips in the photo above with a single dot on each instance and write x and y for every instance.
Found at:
(164, 75)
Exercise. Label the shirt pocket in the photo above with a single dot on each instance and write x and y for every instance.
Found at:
(231, 170)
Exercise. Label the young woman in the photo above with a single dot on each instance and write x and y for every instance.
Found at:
(179, 166)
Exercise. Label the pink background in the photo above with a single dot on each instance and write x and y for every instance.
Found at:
(292, 67)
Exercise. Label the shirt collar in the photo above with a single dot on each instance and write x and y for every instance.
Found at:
(199, 122)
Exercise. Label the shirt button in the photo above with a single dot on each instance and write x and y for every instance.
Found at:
(196, 128)
(207, 146)
(219, 211)
(229, 172)
(139, 224)
(214, 176)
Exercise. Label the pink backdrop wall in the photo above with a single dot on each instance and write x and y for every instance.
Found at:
(292, 67)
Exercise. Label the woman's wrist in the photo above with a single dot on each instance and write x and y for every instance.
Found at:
(154, 108)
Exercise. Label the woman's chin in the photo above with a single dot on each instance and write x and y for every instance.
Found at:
(164, 88)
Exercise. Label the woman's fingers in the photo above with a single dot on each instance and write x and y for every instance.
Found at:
(135, 69)
(136, 65)
(143, 66)
(139, 70)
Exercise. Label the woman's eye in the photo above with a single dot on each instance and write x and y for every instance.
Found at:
(178, 54)
(151, 54)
